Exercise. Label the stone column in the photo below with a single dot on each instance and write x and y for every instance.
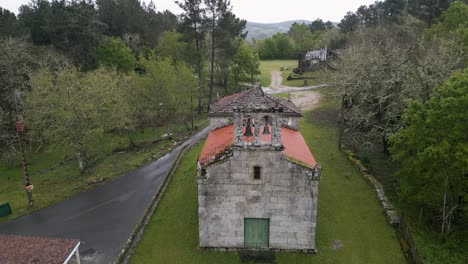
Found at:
(237, 127)
(257, 134)
(276, 130)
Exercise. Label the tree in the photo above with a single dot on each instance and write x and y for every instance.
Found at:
(245, 62)
(433, 167)
(427, 10)
(317, 25)
(70, 108)
(164, 92)
(71, 27)
(9, 25)
(284, 48)
(302, 36)
(349, 23)
(16, 62)
(266, 48)
(114, 52)
(229, 33)
(215, 10)
(192, 19)
(381, 70)
(453, 24)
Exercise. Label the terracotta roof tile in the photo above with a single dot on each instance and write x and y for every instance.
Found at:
(22, 249)
(295, 146)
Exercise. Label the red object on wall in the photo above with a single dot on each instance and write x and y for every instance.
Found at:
(19, 126)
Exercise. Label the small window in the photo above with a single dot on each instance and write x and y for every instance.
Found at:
(257, 172)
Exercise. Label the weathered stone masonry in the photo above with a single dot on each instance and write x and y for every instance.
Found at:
(286, 194)
(257, 179)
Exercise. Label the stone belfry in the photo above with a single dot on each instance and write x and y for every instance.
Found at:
(258, 122)
(256, 177)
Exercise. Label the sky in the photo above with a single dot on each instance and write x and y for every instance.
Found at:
(263, 11)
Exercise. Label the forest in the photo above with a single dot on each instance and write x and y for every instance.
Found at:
(77, 69)
(74, 71)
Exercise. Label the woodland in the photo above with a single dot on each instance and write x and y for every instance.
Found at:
(75, 71)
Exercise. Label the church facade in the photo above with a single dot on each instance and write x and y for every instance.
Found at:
(257, 179)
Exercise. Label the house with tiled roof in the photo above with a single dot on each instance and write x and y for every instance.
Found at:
(257, 178)
(25, 249)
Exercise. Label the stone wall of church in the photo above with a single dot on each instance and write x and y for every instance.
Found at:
(285, 194)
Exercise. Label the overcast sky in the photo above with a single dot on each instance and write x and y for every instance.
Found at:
(266, 11)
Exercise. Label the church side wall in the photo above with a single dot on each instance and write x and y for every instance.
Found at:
(228, 193)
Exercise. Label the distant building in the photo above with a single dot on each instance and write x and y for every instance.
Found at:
(257, 179)
(315, 60)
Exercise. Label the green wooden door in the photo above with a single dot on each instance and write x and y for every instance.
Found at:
(256, 232)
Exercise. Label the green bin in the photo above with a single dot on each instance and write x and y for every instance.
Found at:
(5, 210)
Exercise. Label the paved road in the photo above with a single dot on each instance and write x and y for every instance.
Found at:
(102, 218)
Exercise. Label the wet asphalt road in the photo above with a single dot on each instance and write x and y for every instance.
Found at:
(102, 218)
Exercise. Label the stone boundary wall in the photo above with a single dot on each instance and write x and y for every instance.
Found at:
(392, 215)
(405, 239)
(127, 252)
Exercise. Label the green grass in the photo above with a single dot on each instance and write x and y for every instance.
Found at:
(282, 95)
(267, 66)
(55, 175)
(348, 210)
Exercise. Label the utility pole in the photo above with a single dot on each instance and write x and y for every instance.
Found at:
(27, 183)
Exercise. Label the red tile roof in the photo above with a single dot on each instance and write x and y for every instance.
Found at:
(295, 146)
(22, 249)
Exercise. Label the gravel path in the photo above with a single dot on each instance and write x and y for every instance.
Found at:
(303, 97)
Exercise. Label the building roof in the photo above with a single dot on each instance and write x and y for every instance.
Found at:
(252, 99)
(23, 249)
(294, 144)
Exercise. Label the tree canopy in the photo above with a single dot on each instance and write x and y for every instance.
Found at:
(433, 167)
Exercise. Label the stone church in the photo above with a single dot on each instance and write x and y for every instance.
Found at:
(257, 179)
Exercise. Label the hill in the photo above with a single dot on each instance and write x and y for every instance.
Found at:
(266, 30)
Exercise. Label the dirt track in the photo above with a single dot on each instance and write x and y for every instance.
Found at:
(303, 97)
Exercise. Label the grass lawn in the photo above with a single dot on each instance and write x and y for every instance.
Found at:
(282, 95)
(267, 66)
(348, 210)
(55, 175)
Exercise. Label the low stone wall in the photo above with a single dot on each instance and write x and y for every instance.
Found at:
(407, 244)
(124, 256)
(392, 215)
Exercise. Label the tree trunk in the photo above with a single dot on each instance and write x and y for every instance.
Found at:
(213, 20)
(225, 82)
(445, 203)
(81, 161)
(197, 44)
(385, 145)
(131, 142)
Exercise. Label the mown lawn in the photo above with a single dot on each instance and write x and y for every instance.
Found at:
(347, 211)
(55, 175)
(267, 66)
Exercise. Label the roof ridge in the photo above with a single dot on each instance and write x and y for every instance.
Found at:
(251, 98)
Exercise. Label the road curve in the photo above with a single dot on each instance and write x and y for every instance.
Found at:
(102, 218)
